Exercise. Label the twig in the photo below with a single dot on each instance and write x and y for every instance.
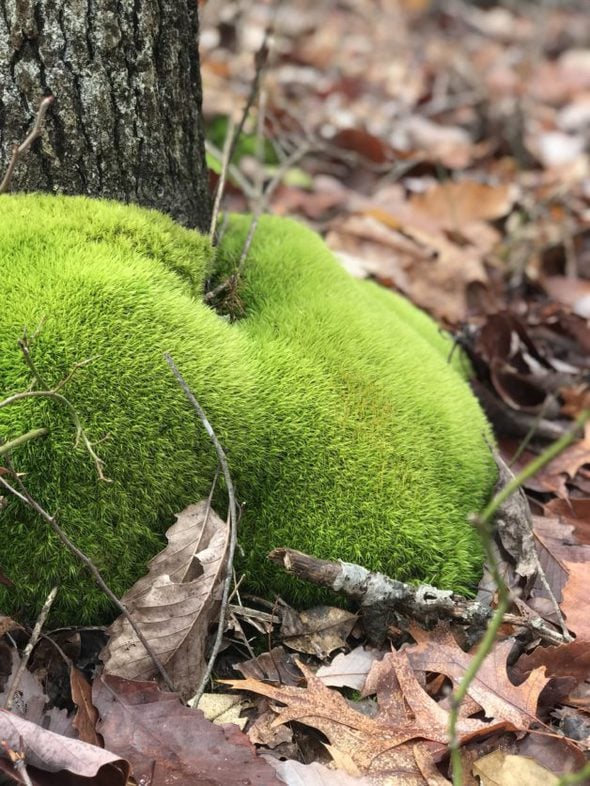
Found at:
(52, 521)
(234, 132)
(29, 649)
(21, 149)
(80, 433)
(17, 759)
(485, 523)
(381, 597)
(24, 438)
(26, 350)
(260, 62)
(242, 181)
(233, 523)
(227, 147)
(263, 202)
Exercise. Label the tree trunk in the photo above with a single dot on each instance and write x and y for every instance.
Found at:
(126, 120)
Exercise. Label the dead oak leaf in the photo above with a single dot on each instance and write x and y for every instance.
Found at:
(575, 598)
(515, 706)
(375, 744)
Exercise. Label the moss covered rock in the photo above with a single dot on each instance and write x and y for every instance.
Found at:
(348, 433)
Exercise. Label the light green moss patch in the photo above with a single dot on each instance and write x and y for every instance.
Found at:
(348, 434)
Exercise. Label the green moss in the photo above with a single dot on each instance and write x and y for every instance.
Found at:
(348, 434)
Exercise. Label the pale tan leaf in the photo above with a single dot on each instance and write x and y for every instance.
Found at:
(174, 604)
(455, 204)
(223, 708)
(349, 669)
(505, 769)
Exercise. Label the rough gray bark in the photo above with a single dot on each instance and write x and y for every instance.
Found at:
(126, 120)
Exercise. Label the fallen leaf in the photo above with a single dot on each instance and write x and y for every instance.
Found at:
(570, 660)
(50, 752)
(504, 769)
(456, 203)
(277, 665)
(30, 702)
(349, 669)
(174, 604)
(573, 511)
(293, 773)
(86, 713)
(318, 631)
(223, 708)
(575, 599)
(491, 688)
(573, 292)
(167, 743)
(377, 744)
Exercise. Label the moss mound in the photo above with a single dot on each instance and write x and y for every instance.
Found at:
(348, 433)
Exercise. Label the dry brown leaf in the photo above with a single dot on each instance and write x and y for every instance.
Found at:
(450, 145)
(556, 546)
(575, 599)
(277, 665)
(174, 604)
(516, 705)
(574, 511)
(379, 744)
(455, 204)
(168, 743)
(264, 732)
(318, 631)
(567, 660)
(565, 466)
(86, 713)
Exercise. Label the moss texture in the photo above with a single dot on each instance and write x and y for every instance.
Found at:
(348, 433)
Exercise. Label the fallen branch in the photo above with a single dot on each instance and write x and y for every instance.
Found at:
(384, 601)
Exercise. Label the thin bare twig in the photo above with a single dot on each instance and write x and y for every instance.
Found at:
(263, 201)
(23, 493)
(80, 433)
(17, 759)
(34, 433)
(21, 149)
(233, 523)
(225, 160)
(29, 649)
(25, 348)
